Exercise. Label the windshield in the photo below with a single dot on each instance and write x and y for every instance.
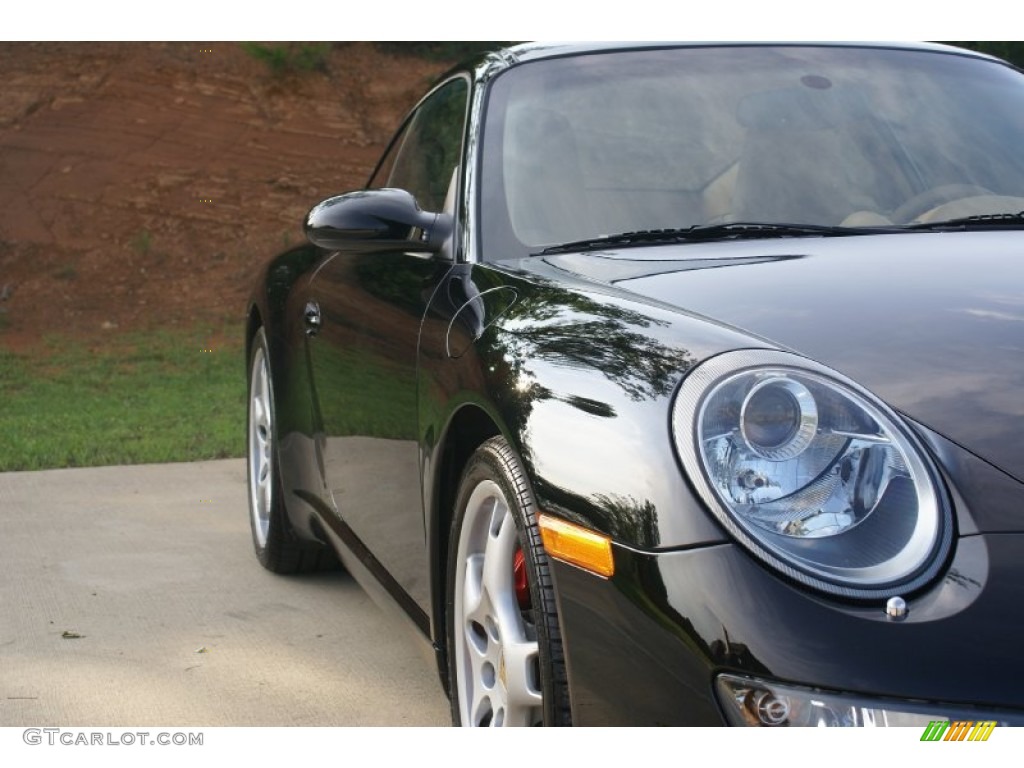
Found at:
(598, 144)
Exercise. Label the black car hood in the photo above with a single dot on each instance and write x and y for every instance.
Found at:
(933, 323)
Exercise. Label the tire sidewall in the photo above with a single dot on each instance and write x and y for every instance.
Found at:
(495, 461)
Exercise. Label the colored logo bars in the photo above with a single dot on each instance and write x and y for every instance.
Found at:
(960, 730)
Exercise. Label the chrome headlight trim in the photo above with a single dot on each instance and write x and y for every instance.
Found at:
(927, 546)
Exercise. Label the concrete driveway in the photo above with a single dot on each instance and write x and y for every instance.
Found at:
(131, 596)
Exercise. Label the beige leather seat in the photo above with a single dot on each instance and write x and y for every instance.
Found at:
(800, 160)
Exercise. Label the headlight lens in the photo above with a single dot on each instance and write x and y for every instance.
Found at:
(812, 473)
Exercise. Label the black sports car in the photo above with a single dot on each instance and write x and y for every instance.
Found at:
(671, 384)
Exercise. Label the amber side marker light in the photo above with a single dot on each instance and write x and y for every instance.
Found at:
(576, 545)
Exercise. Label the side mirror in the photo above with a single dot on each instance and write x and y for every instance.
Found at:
(379, 219)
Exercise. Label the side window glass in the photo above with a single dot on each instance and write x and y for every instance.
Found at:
(424, 157)
(383, 172)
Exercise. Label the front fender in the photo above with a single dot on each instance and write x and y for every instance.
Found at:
(582, 382)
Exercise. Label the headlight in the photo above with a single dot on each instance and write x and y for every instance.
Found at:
(812, 473)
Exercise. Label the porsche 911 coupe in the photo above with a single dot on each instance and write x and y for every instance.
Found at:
(671, 384)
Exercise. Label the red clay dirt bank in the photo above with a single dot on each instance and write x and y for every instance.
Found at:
(142, 183)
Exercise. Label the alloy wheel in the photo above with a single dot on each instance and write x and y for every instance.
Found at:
(261, 432)
(497, 658)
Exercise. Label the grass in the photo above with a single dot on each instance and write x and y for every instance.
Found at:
(440, 50)
(67, 272)
(142, 242)
(171, 396)
(282, 58)
(137, 398)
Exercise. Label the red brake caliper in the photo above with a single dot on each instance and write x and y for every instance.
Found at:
(519, 578)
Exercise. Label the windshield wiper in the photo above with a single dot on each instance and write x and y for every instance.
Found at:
(701, 232)
(979, 221)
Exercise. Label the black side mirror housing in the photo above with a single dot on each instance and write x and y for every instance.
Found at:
(378, 219)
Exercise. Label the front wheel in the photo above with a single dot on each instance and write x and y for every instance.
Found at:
(505, 657)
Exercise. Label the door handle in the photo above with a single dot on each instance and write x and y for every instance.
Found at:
(312, 319)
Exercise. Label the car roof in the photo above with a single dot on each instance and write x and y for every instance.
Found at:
(485, 66)
(542, 50)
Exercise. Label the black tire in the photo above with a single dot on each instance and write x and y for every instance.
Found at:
(491, 656)
(277, 546)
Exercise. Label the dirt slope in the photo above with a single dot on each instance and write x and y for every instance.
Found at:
(141, 184)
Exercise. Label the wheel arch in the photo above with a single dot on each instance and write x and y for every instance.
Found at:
(256, 319)
(253, 322)
(468, 428)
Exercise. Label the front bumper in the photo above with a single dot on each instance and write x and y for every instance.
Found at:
(645, 647)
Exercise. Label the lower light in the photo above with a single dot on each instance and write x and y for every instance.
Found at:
(576, 545)
(752, 702)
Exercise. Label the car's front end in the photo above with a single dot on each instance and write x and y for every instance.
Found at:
(794, 425)
(789, 545)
